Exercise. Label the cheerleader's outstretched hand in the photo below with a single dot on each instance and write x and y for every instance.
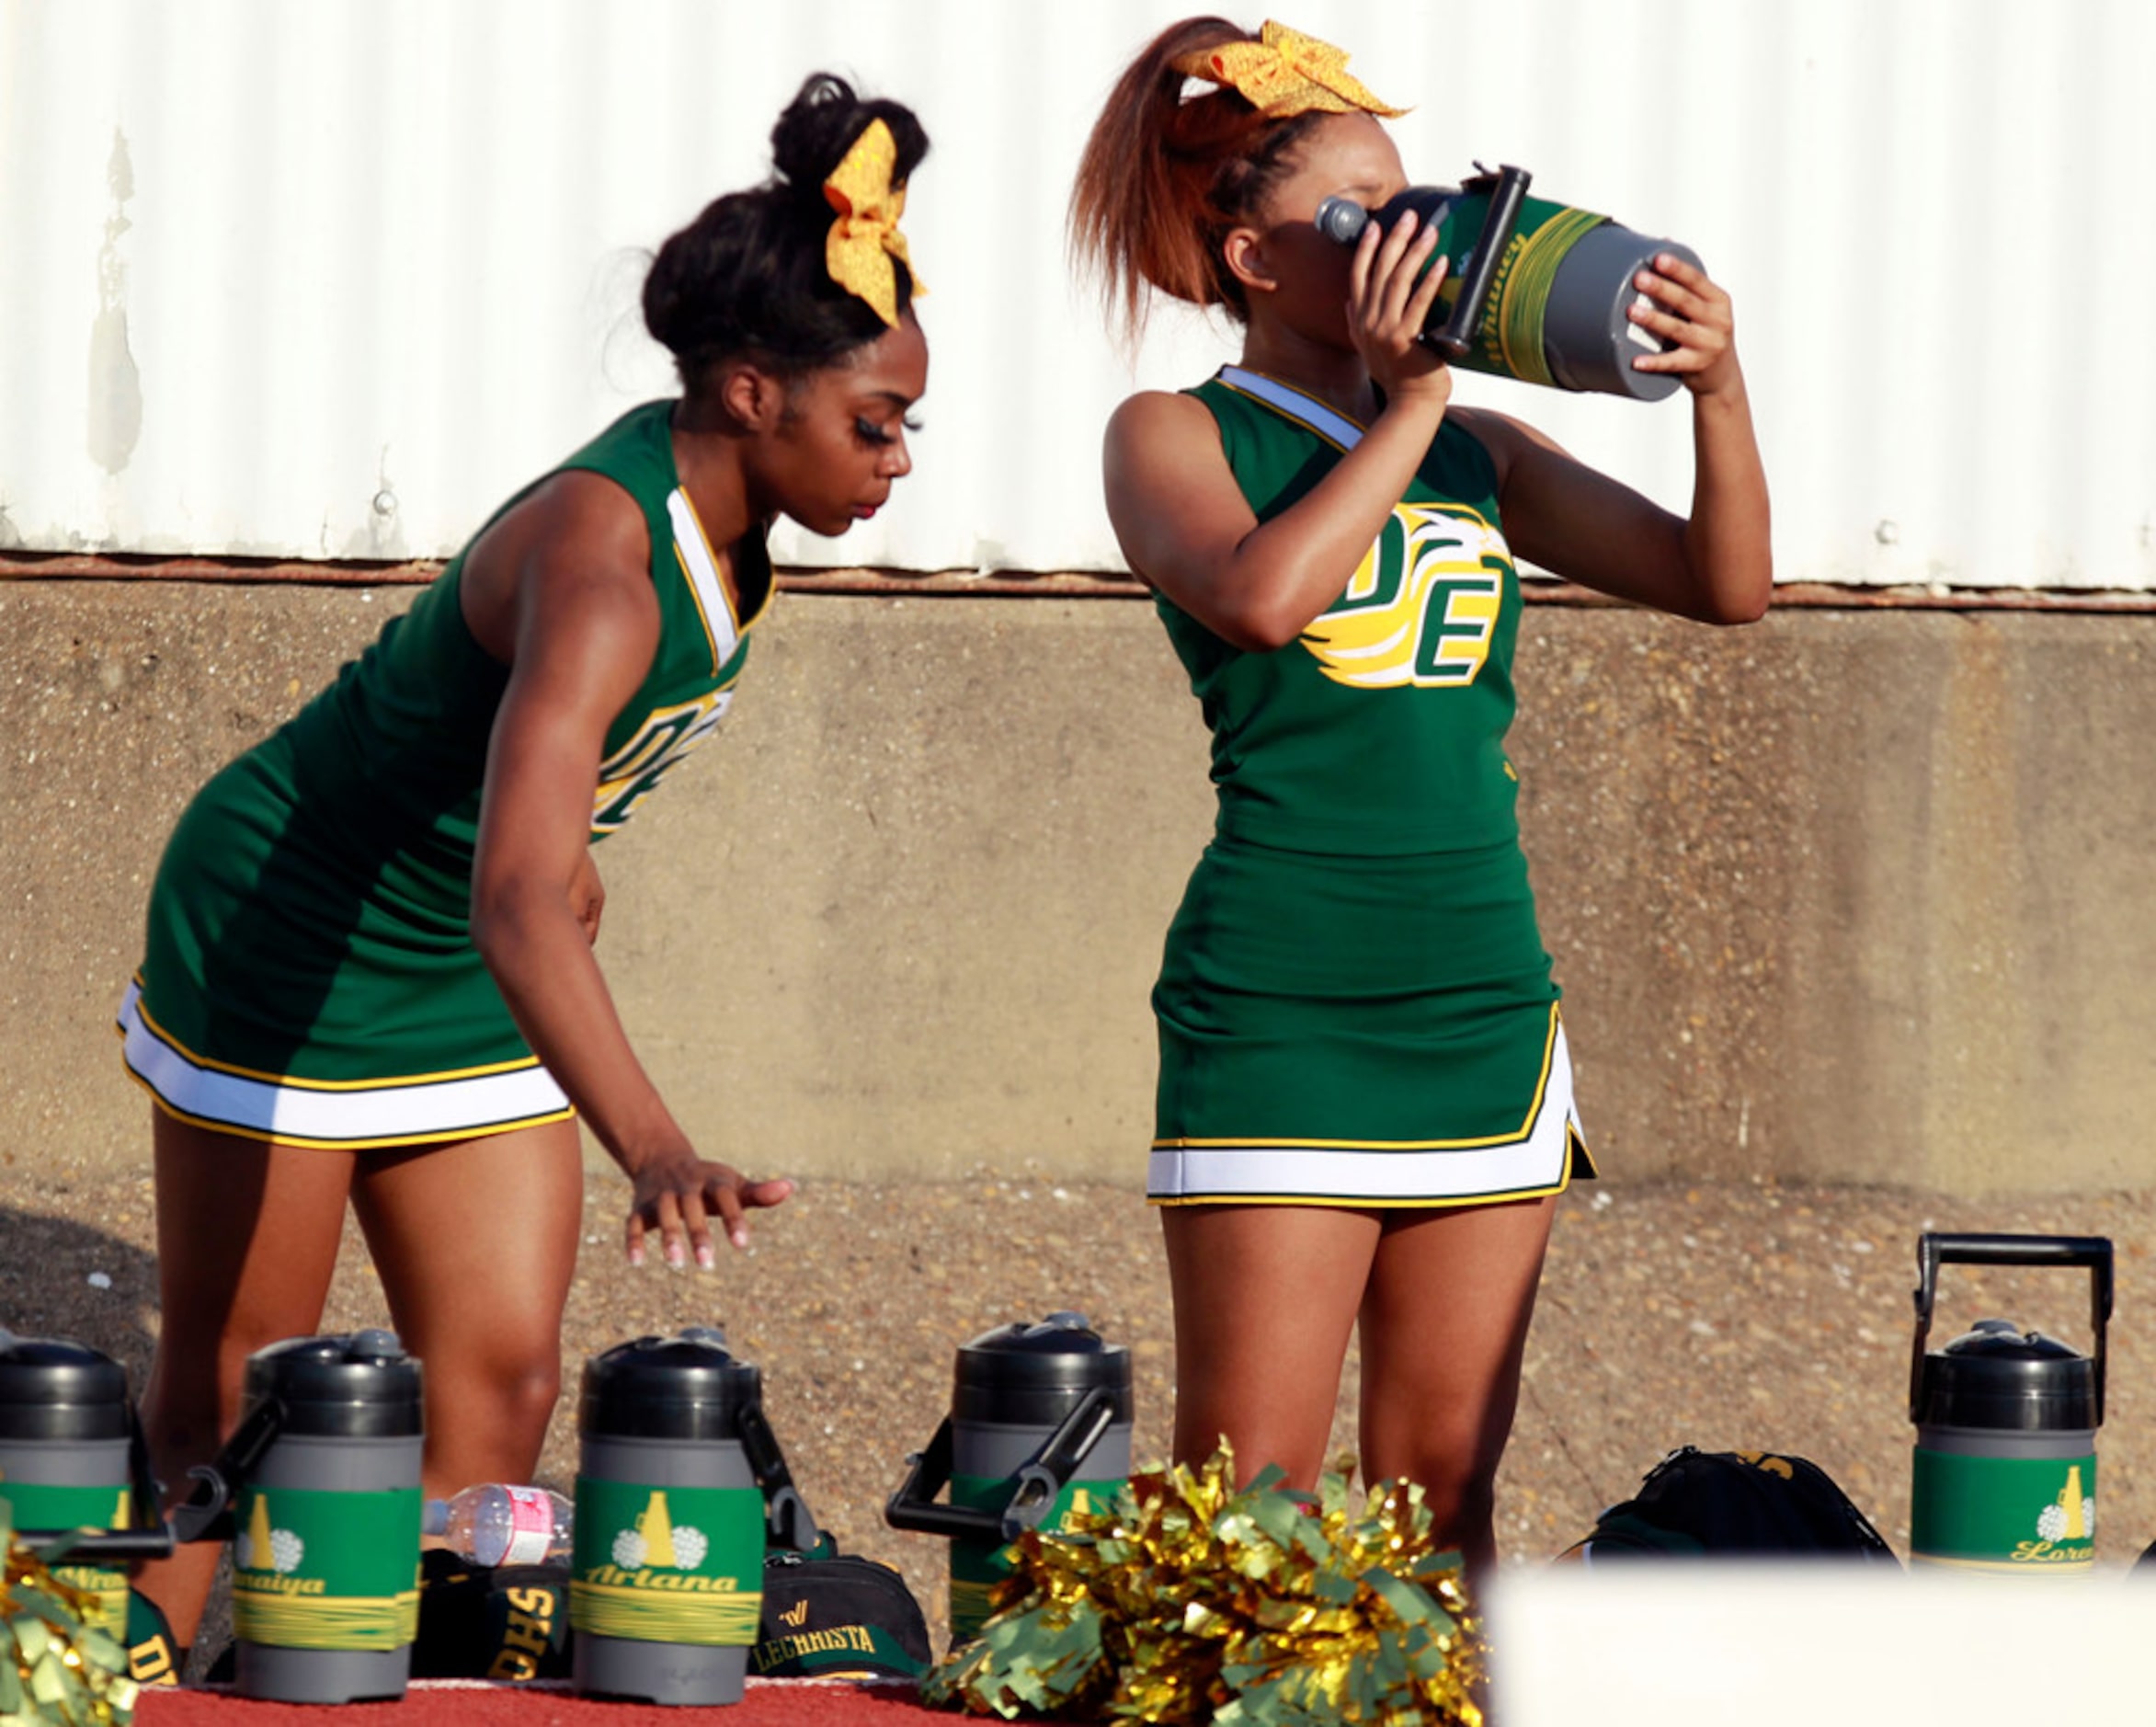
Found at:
(679, 1196)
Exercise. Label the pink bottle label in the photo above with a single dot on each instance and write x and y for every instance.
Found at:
(531, 1523)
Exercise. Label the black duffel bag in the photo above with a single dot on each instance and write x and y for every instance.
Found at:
(511, 1622)
(1720, 1504)
(829, 1615)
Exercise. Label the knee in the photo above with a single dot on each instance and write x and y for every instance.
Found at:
(523, 1383)
(1463, 1509)
(1259, 1440)
(539, 1388)
(192, 1397)
(1457, 1475)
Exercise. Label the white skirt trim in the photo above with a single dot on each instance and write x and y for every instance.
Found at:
(1271, 1172)
(408, 1111)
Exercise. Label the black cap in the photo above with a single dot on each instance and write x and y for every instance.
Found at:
(1022, 1375)
(2001, 1379)
(685, 1387)
(359, 1385)
(54, 1389)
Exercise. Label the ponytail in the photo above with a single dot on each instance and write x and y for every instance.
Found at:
(1163, 180)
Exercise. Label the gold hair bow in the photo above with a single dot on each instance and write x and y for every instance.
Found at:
(866, 238)
(1283, 73)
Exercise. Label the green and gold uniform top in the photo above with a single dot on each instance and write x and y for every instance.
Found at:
(311, 924)
(400, 739)
(1380, 731)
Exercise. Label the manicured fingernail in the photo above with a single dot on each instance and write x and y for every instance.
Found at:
(636, 1256)
(674, 1257)
(705, 1257)
(739, 1237)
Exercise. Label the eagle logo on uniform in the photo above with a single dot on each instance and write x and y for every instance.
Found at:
(1422, 605)
(629, 776)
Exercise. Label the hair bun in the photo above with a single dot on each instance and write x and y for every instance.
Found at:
(751, 275)
(822, 123)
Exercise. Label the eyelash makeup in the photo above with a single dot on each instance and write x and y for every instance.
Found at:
(869, 432)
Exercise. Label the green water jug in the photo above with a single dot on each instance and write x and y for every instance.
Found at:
(1534, 290)
(2004, 1472)
(326, 1519)
(1040, 1425)
(679, 1485)
(67, 1440)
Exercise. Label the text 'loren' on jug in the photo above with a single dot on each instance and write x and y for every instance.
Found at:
(2004, 1468)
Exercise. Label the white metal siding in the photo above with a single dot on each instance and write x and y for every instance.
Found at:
(328, 278)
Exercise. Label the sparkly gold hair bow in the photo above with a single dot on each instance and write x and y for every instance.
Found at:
(866, 238)
(1283, 73)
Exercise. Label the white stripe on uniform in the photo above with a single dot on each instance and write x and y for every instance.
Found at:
(1535, 1162)
(416, 1109)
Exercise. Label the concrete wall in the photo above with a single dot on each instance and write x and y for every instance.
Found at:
(1848, 895)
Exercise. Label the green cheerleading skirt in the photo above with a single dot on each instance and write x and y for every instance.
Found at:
(1360, 1031)
(302, 985)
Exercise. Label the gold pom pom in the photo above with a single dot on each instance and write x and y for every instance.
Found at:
(1185, 1599)
(56, 1670)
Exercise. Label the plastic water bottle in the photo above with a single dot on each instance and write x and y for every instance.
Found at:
(494, 1525)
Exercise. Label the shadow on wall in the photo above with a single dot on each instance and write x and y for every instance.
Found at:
(60, 1278)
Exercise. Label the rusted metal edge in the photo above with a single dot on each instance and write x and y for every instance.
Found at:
(965, 584)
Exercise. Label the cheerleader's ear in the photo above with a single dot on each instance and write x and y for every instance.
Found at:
(1244, 252)
(755, 400)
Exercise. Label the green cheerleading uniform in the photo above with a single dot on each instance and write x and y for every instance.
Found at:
(1355, 1004)
(309, 975)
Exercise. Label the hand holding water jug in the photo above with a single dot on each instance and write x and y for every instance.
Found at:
(497, 1525)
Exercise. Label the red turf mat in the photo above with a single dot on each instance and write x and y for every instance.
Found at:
(473, 1703)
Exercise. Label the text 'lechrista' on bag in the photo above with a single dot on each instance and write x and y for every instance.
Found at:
(829, 1615)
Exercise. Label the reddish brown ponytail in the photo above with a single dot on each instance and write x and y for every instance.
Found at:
(1163, 181)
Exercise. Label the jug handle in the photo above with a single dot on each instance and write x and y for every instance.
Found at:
(204, 1516)
(1933, 1250)
(1040, 1481)
(787, 1521)
(1508, 190)
(914, 1506)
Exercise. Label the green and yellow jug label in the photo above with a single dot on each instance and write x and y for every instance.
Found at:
(317, 1569)
(1508, 338)
(667, 1565)
(976, 1567)
(94, 1508)
(2003, 1514)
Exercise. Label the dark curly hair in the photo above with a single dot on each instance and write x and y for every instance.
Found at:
(747, 278)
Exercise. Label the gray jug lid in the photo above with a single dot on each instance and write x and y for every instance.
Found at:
(356, 1385)
(1021, 1373)
(688, 1386)
(1996, 1376)
(52, 1388)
